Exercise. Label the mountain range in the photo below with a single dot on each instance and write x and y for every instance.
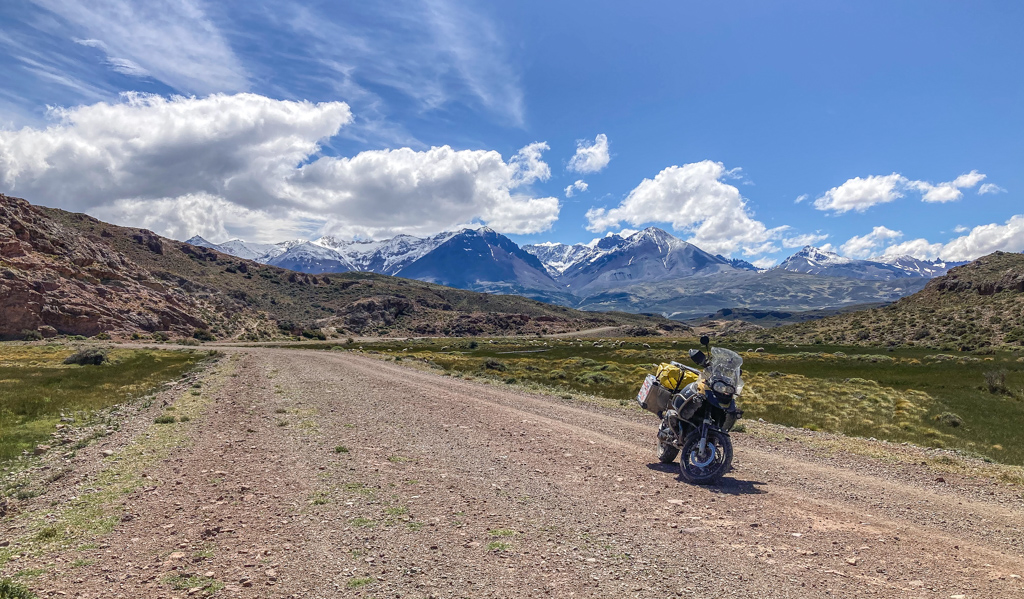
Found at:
(66, 273)
(648, 271)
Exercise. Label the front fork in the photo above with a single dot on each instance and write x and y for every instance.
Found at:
(702, 447)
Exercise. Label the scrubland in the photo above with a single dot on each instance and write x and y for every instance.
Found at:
(962, 401)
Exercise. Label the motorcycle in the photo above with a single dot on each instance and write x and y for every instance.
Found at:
(697, 408)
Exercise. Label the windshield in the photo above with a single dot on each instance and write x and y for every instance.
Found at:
(725, 366)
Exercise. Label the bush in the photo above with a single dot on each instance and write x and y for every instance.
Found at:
(32, 335)
(950, 419)
(164, 419)
(103, 336)
(203, 335)
(86, 357)
(314, 334)
(995, 380)
(161, 336)
(492, 364)
(190, 342)
(594, 378)
(12, 590)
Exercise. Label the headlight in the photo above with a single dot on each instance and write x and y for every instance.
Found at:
(723, 388)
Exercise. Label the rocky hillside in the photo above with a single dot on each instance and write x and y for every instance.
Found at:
(65, 273)
(977, 305)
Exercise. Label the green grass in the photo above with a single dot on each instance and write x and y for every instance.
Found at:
(503, 532)
(36, 387)
(498, 546)
(356, 583)
(908, 394)
(180, 582)
(13, 590)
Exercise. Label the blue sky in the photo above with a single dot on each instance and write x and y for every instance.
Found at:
(270, 120)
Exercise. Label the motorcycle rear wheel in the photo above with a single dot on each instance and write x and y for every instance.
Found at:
(708, 468)
(667, 453)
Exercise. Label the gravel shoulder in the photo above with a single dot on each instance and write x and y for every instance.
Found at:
(326, 474)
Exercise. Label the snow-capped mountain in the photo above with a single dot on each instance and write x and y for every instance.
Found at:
(200, 242)
(254, 251)
(258, 252)
(816, 261)
(643, 257)
(559, 257)
(387, 256)
(312, 258)
(482, 260)
(917, 267)
(737, 263)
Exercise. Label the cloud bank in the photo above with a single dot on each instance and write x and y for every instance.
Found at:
(981, 240)
(248, 164)
(859, 194)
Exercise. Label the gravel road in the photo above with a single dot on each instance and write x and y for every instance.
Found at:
(330, 474)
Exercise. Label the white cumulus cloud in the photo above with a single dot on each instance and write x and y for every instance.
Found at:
(865, 245)
(590, 157)
(981, 240)
(859, 194)
(528, 165)
(948, 191)
(692, 198)
(579, 186)
(250, 166)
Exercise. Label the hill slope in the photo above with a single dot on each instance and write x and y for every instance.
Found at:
(972, 306)
(71, 273)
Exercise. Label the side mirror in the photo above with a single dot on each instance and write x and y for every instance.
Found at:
(698, 357)
(705, 340)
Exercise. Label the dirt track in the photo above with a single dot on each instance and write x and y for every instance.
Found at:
(440, 471)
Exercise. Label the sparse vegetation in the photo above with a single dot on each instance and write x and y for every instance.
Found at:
(39, 387)
(930, 398)
(185, 582)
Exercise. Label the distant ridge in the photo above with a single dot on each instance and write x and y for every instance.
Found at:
(647, 271)
(973, 306)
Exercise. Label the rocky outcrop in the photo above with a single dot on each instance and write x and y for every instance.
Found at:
(53, 280)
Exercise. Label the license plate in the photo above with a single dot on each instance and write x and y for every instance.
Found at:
(641, 397)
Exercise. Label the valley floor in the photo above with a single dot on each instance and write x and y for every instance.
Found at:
(326, 474)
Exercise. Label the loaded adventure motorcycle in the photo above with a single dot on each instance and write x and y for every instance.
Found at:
(697, 409)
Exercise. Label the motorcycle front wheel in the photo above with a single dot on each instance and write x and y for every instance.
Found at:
(706, 468)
